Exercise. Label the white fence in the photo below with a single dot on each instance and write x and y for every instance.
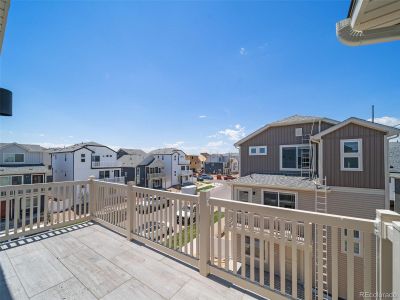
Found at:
(275, 252)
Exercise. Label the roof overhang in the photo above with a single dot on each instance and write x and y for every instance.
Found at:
(4, 6)
(370, 22)
(388, 130)
(280, 124)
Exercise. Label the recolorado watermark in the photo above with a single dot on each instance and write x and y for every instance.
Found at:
(378, 295)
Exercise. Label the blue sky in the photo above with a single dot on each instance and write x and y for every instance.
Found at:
(198, 75)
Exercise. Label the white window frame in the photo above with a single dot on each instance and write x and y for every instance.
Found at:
(258, 152)
(358, 155)
(358, 241)
(312, 163)
(13, 162)
(244, 189)
(296, 196)
(298, 131)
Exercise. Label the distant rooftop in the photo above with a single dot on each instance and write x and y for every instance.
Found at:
(281, 181)
(164, 151)
(133, 151)
(28, 147)
(76, 147)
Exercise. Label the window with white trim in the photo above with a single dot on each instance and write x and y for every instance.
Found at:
(258, 150)
(14, 157)
(351, 155)
(280, 199)
(295, 157)
(357, 238)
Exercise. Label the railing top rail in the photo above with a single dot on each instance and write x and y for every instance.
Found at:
(172, 195)
(41, 185)
(339, 221)
(107, 183)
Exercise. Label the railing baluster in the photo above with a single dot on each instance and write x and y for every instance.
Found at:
(64, 197)
(197, 224)
(334, 264)
(38, 208)
(294, 259)
(180, 208)
(23, 204)
(261, 241)
(226, 239)
(350, 264)
(271, 252)
(243, 245)
(212, 250)
(320, 253)
(31, 198)
(252, 246)
(46, 207)
(307, 260)
(234, 241)
(186, 227)
(367, 261)
(219, 233)
(175, 219)
(7, 227)
(282, 256)
(192, 226)
(16, 212)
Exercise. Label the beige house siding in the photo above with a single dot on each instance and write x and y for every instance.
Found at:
(273, 137)
(373, 174)
(359, 203)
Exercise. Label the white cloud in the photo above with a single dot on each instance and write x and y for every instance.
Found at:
(42, 134)
(52, 145)
(70, 136)
(202, 117)
(243, 51)
(234, 134)
(389, 121)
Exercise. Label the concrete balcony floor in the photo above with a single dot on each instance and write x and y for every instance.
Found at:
(88, 261)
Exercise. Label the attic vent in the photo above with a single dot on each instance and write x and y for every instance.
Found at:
(299, 131)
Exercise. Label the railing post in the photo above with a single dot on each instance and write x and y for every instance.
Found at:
(394, 236)
(92, 196)
(130, 210)
(384, 251)
(204, 232)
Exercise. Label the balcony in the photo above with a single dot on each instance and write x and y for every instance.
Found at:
(186, 173)
(155, 175)
(100, 243)
(104, 164)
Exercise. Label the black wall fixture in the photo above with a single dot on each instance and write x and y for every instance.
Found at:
(5, 102)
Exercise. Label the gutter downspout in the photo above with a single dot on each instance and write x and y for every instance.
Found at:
(387, 177)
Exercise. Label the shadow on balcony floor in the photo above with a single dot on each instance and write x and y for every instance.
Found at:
(88, 261)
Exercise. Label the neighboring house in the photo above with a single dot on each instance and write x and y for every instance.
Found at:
(150, 173)
(176, 166)
(284, 164)
(196, 162)
(222, 163)
(394, 167)
(24, 164)
(128, 160)
(78, 162)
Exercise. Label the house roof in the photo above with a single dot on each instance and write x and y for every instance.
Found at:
(394, 157)
(165, 151)
(384, 128)
(292, 120)
(27, 147)
(4, 6)
(147, 160)
(370, 22)
(276, 181)
(133, 151)
(76, 147)
(131, 160)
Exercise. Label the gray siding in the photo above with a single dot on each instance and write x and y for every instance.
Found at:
(31, 158)
(372, 176)
(272, 138)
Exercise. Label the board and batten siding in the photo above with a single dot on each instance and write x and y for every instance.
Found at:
(272, 137)
(31, 158)
(373, 174)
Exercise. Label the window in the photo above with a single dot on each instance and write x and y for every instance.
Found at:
(83, 157)
(96, 158)
(258, 150)
(299, 131)
(187, 167)
(101, 174)
(244, 194)
(280, 199)
(183, 168)
(174, 173)
(295, 157)
(351, 155)
(107, 174)
(14, 157)
(357, 237)
(116, 173)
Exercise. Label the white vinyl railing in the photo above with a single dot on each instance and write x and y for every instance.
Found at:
(275, 252)
(29, 209)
